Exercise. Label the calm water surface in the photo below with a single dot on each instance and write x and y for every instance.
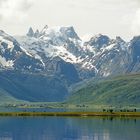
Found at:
(68, 128)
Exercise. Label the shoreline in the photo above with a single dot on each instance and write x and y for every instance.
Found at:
(72, 114)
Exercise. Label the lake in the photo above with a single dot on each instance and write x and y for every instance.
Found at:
(68, 128)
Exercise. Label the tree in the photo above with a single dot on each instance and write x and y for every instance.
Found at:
(111, 110)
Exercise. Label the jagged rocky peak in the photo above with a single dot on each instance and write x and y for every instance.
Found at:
(135, 48)
(14, 56)
(135, 39)
(9, 49)
(1, 31)
(135, 42)
(43, 31)
(99, 41)
(37, 33)
(119, 39)
(59, 31)
(45, 27)
(30, 32)
(3, 34)
(7, 39)
(69, 31)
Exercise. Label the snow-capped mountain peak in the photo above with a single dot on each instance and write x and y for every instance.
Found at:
(14, 56)
(98, 41)
(58, 32)
(97, 56)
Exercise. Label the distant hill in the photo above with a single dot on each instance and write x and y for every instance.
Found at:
(121, 90)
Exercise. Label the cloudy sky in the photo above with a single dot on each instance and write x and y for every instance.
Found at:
(111, 17)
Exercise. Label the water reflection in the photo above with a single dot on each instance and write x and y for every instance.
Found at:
(59, 128)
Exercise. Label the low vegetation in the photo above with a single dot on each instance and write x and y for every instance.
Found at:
(75, 114)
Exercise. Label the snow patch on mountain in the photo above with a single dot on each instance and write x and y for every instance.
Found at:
(5, 63)
(86, 54)
(8, 42)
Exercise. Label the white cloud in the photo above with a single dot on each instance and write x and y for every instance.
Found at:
(111, 17)
(136, 23)
(15, 10)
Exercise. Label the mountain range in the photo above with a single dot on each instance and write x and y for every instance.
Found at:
(42, 65)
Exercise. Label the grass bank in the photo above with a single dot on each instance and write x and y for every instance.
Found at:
(75, 114)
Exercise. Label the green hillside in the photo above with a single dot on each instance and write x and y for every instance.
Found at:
(6, 98)
(121, 90)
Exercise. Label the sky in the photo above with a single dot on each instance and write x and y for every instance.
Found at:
(89, 17)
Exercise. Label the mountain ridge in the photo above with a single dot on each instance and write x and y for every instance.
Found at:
(59, 52)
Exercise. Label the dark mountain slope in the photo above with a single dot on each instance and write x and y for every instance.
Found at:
(33, 87)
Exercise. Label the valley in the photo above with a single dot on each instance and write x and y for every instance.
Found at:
(55, 66)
